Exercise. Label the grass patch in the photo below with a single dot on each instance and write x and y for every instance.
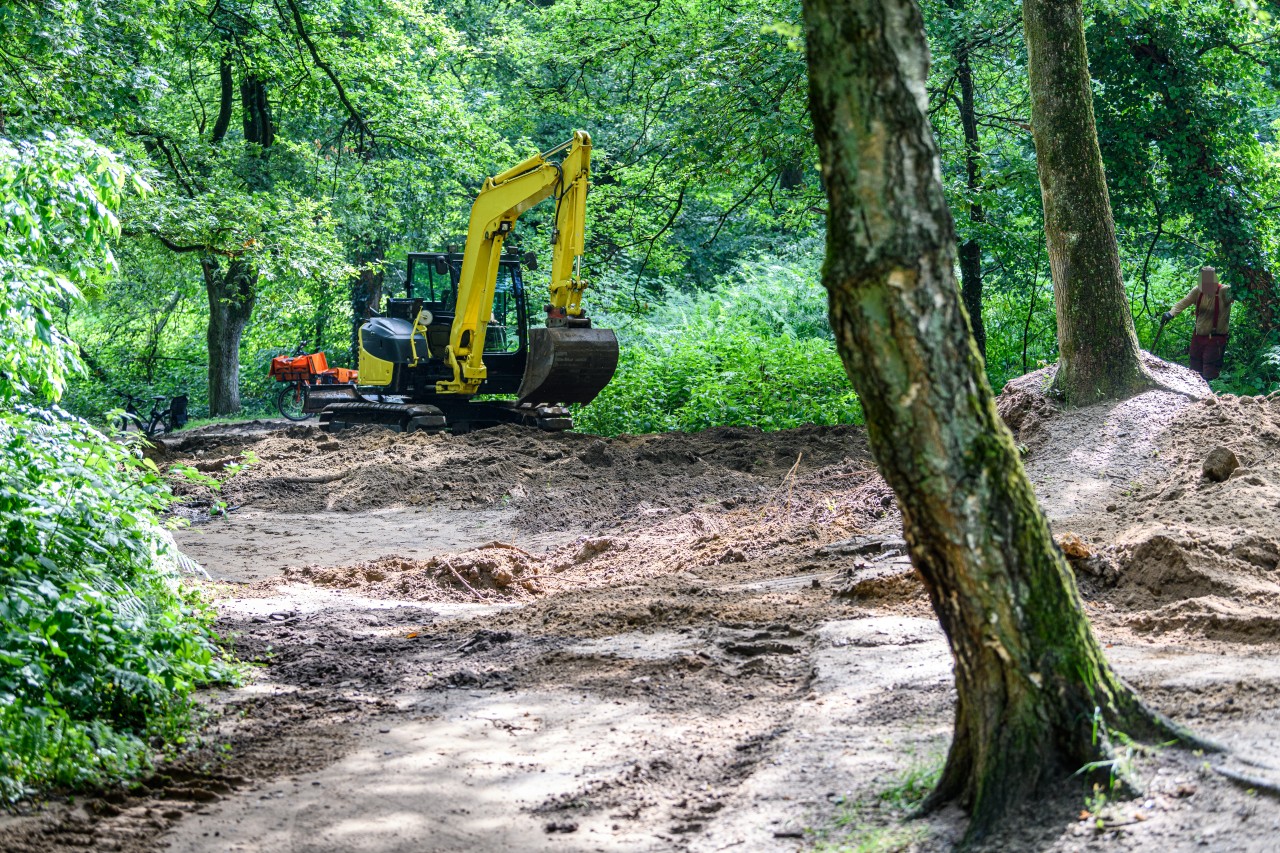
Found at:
(880, 823)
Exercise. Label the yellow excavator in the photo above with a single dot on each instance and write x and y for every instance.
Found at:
(464, 328)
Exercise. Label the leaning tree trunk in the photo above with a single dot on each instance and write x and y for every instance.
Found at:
(1097, 346)
(1036, 698)
(231, 298)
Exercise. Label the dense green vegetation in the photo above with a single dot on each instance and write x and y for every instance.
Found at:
(299, 149)
(293, 151)
(756, 351)
(99, 647)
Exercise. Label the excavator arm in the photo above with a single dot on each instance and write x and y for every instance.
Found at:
(493, 215)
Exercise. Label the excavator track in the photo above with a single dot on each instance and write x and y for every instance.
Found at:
(464, 416)
(400, 417)
(457, 416)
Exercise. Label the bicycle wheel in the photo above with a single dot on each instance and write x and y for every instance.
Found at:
(292, 401)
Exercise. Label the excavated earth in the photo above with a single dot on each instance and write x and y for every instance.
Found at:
(522, 641)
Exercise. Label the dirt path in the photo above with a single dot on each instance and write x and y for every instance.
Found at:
(709, 642)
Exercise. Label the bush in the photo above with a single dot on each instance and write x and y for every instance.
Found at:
(99, 646)
(756, 352)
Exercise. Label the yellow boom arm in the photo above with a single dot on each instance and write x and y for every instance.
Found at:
(500, 202)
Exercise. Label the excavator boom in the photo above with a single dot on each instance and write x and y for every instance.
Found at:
(568, 360)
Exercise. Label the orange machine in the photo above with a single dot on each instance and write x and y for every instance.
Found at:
(313, 369)
(308, 384)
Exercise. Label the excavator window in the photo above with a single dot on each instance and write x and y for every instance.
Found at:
(503, 334)
(434, 280)
(424, 282)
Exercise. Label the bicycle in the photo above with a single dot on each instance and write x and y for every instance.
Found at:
(168, 419)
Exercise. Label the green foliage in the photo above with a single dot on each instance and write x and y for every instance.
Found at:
(757, 352)
(99, 646)
(701, 122)
(58, 194)
(1184, 126)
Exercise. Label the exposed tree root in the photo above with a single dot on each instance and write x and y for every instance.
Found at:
(1244, 780)
(1091, 746)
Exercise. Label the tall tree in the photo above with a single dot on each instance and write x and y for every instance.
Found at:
(971, 248)
(1036, 698)
(231, 282)
(1097, 346)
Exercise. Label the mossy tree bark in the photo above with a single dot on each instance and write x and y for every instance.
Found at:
(1029, 673)
(1097, 346)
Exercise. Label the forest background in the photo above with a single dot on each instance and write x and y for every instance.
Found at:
(195, 183)
(297, 149)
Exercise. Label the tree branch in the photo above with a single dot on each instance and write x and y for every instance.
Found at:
(355, 114)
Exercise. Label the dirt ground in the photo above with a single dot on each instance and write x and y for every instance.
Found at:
(519, 641)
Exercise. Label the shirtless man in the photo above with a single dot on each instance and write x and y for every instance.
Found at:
(1213, 317)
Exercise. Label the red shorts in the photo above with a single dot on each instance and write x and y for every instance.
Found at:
(1206, 354)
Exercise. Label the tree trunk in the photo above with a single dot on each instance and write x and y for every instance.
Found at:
(366, 291)
(256, 112)
(232, 290)
(231, 298)
(971, 249)
(1097, 345)
(1029, 673)
(225, 99)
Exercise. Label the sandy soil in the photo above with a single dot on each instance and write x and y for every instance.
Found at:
(510, 640)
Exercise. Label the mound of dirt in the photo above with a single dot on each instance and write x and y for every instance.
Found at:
(810, 523)
(1027, 408)
(495, 571)
(555, 481)
(1174, 540)
(1204, 556)
(1158, 546)
(1024, 407)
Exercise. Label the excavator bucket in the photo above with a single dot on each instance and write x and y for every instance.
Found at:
(568, 365)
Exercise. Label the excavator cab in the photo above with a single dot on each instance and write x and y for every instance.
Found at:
(432, 279)
(539, 364)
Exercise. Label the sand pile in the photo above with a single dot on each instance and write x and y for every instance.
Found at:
(1030, 414)
(1220, 584)
(801, 522)
(1163, 546)
(1204, 556)
(492, 572)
